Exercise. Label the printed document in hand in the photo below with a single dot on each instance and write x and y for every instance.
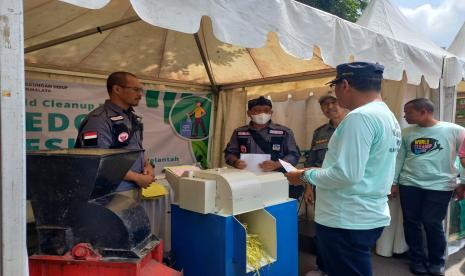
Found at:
(253, 160)
(287, 166)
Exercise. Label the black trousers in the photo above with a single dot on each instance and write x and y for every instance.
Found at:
(425, 209)
(346, 252)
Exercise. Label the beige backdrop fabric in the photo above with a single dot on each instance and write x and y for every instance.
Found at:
(230, 114)
(397, 93)
(302, 117)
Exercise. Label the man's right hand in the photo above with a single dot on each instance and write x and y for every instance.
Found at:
(394, 191)
(460, 192)
(309, 195)
(144, 180)
(239, 164)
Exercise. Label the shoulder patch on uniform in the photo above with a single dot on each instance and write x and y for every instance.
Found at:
(97, 112)
(274, 131)
(89, 135)
(243, 133)
(89, 138)
(320, 127)
(243, 128)
(116, 118)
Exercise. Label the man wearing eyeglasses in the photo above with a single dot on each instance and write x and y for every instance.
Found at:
(353, 183)
(115, 125)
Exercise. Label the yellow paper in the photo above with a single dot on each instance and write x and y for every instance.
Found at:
(154, 190)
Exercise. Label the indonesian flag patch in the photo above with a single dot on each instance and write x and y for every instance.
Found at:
(90, 138)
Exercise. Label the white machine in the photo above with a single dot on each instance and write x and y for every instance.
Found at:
(220, 207)
(226, 191)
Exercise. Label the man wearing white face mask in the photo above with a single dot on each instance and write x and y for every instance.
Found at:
(263, 136)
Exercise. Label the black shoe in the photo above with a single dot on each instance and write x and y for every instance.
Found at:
(419, 269)
(436, 270)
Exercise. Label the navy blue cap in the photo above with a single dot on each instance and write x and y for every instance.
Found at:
(259, 101)
(358, 71)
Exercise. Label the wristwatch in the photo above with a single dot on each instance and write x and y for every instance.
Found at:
(303, 178)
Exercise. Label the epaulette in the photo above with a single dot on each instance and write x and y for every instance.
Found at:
(279, 127)
(322, 126)
(242, 128)
(97, 112)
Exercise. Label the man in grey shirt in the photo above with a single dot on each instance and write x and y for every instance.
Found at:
(115, 125)
(322, 134)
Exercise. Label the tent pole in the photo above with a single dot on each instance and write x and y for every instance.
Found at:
(85, 33)
(12, 136)
(205, 63)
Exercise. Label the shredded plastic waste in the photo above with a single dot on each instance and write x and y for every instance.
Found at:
(255, 251)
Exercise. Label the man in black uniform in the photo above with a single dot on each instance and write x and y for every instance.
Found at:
(263, 136)
(115, 125)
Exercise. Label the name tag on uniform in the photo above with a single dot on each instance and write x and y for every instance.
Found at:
(322, 141)
(278, 132)
(276, 147)
(116, 118)
(243, 133)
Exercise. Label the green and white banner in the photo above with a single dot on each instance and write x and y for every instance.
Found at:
(176, 125)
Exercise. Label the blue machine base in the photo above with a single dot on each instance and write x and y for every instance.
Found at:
(212, 245)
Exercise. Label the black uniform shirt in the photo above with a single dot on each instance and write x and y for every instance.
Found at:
(109, 126)
(280, 138)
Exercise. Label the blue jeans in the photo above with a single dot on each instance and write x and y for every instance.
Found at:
(427, 209)
(346, 252)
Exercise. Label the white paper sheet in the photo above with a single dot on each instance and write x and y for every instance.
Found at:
(253, 160)
(287, 166)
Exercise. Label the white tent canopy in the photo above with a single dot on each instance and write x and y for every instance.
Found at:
(247, 25)
(386, 18)
(457, 47)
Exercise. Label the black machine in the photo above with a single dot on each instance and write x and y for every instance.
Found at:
(72, 192)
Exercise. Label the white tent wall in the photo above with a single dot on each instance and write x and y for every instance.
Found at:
(12, 149)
